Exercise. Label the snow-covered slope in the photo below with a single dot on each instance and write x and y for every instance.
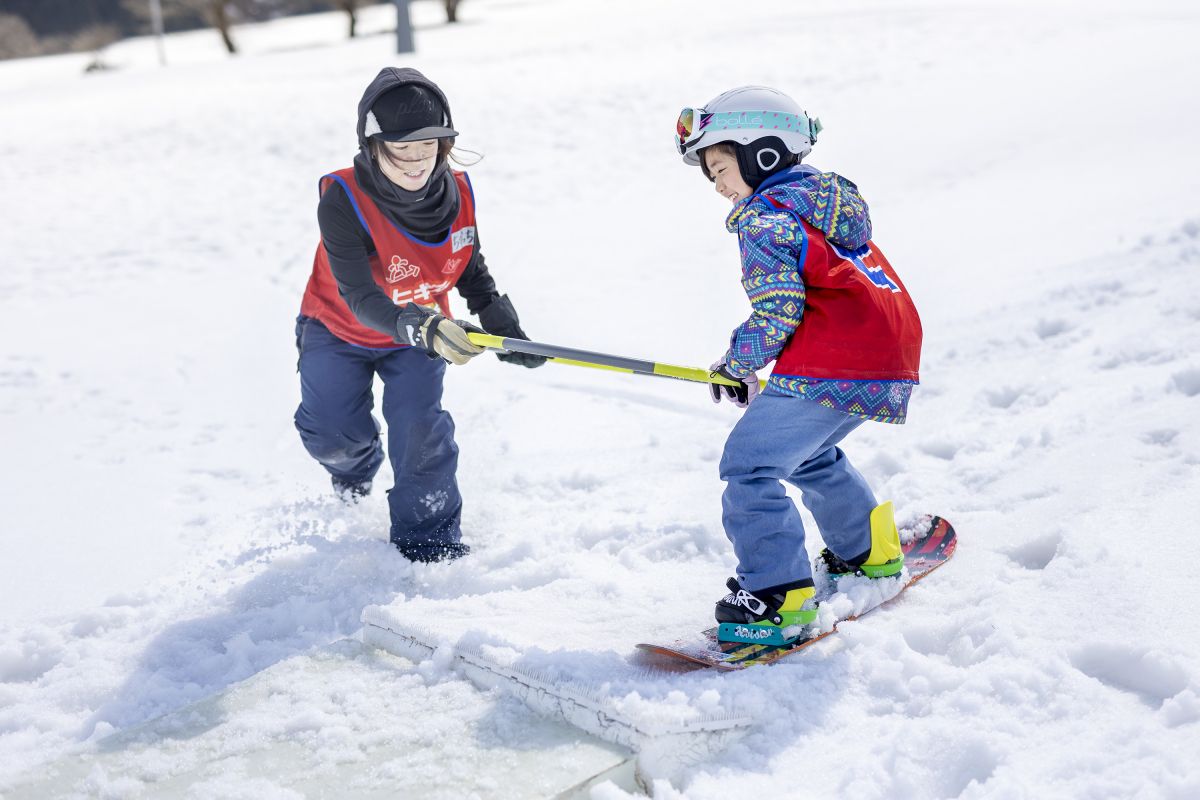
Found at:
(1031, 173)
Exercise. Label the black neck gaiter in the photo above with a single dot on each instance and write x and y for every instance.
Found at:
(426, 213)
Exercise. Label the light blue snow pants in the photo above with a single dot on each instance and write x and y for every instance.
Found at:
(784, 438)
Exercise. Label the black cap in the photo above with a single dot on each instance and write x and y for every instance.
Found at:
(409, 113)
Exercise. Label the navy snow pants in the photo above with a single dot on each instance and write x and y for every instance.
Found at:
(338, 430)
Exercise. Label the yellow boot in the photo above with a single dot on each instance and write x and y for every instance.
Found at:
(885, 557)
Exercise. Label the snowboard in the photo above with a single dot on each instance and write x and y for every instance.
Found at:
(927, 546)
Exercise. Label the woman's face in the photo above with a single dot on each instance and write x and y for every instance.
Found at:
(725, 175)
(408, 164)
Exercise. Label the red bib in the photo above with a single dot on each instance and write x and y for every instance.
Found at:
(859, 322)
(406, 269)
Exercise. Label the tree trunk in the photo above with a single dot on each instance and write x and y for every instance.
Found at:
(451, 10)
(220, 20)
(351, 8)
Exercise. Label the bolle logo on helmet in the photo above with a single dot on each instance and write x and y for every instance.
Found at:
(778, 121)
(735, 119)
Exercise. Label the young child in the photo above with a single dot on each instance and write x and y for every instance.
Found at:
(845, 337)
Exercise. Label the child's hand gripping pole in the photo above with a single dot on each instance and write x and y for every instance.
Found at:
(586, 358)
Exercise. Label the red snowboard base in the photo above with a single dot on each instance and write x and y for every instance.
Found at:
(932, 545)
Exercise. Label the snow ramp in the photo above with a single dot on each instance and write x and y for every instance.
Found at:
(344, 721)
(665, 741)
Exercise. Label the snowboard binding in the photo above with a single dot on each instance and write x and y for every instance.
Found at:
(774, 616)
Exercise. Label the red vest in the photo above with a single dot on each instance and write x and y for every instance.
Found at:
(859, 322)
(406, 269)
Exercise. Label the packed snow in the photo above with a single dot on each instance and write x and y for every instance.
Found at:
(1032, 174)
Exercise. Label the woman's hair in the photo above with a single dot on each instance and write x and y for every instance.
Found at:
(445, 151)
(727, 148)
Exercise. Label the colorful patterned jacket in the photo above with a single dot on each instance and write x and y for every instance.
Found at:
(867, 368)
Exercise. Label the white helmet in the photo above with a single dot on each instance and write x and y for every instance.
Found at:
(744, 115)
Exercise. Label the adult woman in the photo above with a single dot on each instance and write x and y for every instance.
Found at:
(397, 233)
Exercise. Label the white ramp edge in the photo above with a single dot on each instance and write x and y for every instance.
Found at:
(662, 749)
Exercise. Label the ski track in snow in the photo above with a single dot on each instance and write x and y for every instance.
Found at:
(167, 537)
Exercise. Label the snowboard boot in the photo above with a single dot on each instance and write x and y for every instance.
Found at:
(883, 560)
(428, 553)
(769, 616)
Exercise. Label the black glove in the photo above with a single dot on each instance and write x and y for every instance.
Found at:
(499, 318)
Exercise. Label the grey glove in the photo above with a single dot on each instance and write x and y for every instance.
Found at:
(438, 336)
(448, 339)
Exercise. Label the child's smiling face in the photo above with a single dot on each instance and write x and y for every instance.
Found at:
(723, 171)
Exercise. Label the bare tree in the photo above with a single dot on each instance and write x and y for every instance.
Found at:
(351, 8)
(220, 14)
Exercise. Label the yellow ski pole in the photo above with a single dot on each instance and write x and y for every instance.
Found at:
(587, 358)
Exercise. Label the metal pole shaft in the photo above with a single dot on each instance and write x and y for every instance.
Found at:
(156, 22)
(404, 32)
(588, 358)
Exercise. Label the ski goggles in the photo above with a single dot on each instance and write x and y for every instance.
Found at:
(689, 127)
(693, 123)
